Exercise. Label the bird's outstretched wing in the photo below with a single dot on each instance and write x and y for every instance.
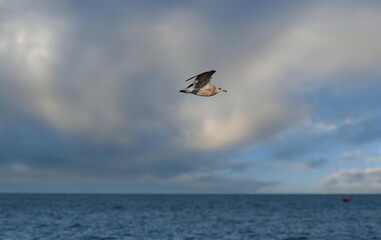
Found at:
(201, 79)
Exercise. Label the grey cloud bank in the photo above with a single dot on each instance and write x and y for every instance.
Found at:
(90, 93)
(358, 181)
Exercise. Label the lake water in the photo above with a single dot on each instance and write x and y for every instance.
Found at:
(165, 217)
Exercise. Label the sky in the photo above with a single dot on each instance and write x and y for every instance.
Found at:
(90, 102)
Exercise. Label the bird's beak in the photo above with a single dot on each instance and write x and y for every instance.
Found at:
(224, 91)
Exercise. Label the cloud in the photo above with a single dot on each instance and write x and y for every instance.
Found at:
(301, 166)
(322, 127)
(214, 175)
(304, 57)
(92, 98)
(316, 163)
(258, 107)
(28, 47)
(359, 155)
(322, 137)
(357, 181)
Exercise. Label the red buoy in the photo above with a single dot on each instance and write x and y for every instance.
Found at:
(347, 200)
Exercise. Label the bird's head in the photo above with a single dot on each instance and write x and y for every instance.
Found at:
(221, 90)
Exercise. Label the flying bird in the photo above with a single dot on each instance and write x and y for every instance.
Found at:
(201, 85)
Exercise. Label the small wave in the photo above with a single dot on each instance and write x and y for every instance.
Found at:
(296, 238)
(101, 238)
(76, 225)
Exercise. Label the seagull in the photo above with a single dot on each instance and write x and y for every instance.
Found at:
(202, 86)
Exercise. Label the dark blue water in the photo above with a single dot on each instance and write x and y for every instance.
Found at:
(95, 217)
